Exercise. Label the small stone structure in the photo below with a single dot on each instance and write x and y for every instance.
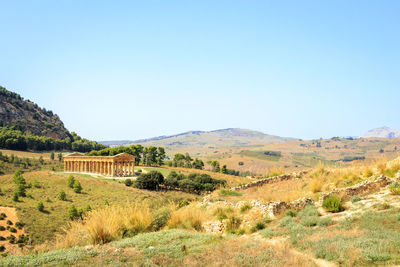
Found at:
(121, 165)
(363, 188)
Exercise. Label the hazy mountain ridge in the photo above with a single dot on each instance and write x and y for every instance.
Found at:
(221, 137)
(383, 132)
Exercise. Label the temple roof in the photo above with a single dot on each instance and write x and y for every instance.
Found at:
(120, 155)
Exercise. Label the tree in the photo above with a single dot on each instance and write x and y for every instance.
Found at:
(41, 160)
(223, 169)
(40, 206)
(18, 178)
(77, 187)
(60, 157)
(62, 195)
(52, 155)
(73, 212)
(71, 181)
(21, 190)
(198, 164)
(150, 181)
(160, 156)
(15, 197)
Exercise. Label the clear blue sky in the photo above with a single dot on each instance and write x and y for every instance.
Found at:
(128, 70)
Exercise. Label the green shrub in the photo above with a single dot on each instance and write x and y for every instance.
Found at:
(62, 195)
(260, 225)
(161, 218)
(326, 221)
(48, 199)
(19, 225)
(3, 216)
(286, 221)
(15, 197)
(2, 238)
(308, 211)
(2, 228)
(9, 222)
(77, 187)
(245, 207)
(355, 199)
(395, 188)
(128, 182)
(21, 191)
(291, 213)
(12, 230)
(309, 221)
(2, 248)
(233, 223)
(11, 239)
(333, 204)
(220, 213)
(71, 181)
(40, 206)
(73, 213)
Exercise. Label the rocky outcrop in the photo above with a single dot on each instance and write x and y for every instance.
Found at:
(363, 188)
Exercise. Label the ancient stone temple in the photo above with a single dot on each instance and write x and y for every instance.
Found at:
(121, 165)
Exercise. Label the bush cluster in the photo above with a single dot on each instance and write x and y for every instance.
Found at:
(193, 182)
(333, 204)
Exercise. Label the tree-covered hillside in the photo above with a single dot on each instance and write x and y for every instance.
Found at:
(26, 126)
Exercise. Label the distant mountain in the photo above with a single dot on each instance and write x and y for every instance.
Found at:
(223, 137)
(384, 132)
(28, 117)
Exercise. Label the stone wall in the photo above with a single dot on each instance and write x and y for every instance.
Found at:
(270, 180)
(363, 188)
(271, 209)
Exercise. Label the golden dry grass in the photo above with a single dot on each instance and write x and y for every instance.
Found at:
(189, 217)
(107, 224)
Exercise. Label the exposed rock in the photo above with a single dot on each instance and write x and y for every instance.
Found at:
(214, 227)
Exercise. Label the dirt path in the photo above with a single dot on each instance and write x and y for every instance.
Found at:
(11, 215)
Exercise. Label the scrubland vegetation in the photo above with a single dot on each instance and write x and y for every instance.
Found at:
(78, 219)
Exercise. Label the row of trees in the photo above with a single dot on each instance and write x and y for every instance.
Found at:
(194, 182)
(185, 161)
(149, 156)
(16, 140)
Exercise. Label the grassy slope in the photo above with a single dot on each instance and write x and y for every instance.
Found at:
(170, 248)
(42, 226)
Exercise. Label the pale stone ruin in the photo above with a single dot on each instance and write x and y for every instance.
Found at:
(121, 165)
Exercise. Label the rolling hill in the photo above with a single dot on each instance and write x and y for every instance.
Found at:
(223, 137)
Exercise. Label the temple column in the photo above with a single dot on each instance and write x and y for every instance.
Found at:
(108, 168)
